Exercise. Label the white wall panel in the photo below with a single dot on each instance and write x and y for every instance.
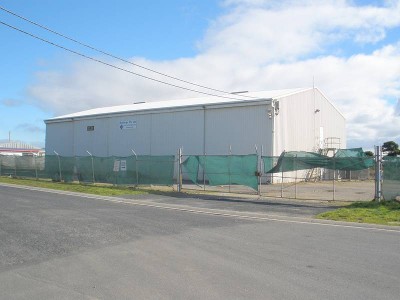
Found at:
(299, 121)
(177, 129)
(333, 122)
(60, 138)
(241, 127)
(298, 125)
(95, 141)
(122, 141)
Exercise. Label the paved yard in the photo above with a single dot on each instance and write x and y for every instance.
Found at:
(320, 190)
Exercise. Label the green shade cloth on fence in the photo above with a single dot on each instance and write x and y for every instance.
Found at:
(295, 160)
(23, 166)
(56, 165)
(391, 177)
(156, 169)
(143, 169)
(224, 169)
(269, 162)
(391, 168)
(352, 160)
(8, 165)
(191, 165)
(344, 159)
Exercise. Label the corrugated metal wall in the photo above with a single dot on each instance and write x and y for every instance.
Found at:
(59, 138)
(241, 126)
(305, 119)
(294, 124)
(301, 116)
(163, 133)
(177, 129)
(121, 142)
(330, 119)
(152, 134)
(96, 141)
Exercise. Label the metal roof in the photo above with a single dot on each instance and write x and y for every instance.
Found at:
(189, 102)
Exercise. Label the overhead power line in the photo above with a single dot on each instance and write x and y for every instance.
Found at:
(114, 56)
(114, 66)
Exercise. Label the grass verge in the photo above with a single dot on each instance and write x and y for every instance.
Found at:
(384, 213)
(75, 187)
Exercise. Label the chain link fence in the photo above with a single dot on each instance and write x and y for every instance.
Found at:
(347, 176)
(133, 170)
(287, 176)
(391, 177)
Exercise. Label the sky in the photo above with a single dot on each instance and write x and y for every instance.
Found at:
(349, 49)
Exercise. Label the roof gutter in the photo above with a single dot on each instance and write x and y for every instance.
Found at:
(159, 110)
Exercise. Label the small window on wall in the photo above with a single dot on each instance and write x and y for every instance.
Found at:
(90, 128)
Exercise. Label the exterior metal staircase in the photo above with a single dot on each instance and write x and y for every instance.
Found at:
(331, 144)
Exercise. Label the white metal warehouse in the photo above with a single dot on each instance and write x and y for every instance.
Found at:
(278, 120)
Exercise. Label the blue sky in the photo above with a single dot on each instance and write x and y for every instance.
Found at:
(157, 30)
(350, 47)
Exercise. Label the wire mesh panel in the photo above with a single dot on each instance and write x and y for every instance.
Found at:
(224, 169)
(123, 170)
(269, 162)
(155, 169)
(115, 170)
(344, 159)
(83, 169)
(53, 167)
(60, 168)
(7, 165)
(23, 166)
(295, 174)
(391, 177)
(307, 175)
(101, 168)
(26, 166)
(352, 160)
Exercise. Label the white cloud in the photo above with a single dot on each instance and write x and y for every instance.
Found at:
(398, 108)
(261, 45)
(31, 128)
(11, 102)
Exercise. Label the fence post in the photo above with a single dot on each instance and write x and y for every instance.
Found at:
(229, 167)
(180, 170)
(295, 177)
(258, 171)
(1, 161)
(261, 162)
(91, 156)
(34, 155)
(334, 173)
(136, 167)
(15, 165)
(59, 163)
(378, 170)
(204, 171)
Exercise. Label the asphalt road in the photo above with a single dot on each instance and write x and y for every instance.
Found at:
(56, 246)
(270, 206)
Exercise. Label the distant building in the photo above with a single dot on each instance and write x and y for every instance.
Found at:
(18, 148)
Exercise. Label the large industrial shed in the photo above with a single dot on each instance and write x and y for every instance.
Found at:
(278, 120)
